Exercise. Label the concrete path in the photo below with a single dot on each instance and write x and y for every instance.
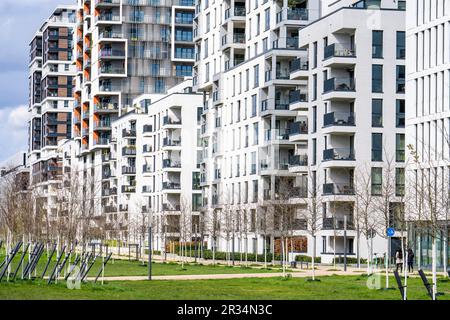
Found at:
(295, 274)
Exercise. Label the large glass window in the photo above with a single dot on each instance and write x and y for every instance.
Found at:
(400, 147)
(377, 44)
(377, 147)
(399, 182)
(376, 181)
(400, 79)
(400, 113)
(401, 51)
(377, 113)
(256, 76)
(377, 78)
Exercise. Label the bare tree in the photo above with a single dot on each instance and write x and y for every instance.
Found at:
(311, 213)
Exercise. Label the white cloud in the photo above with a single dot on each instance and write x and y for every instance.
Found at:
(13, 130)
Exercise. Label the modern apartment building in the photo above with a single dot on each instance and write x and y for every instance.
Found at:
(356, 119)
(282, 111)
(124, 48)
(243, 54)
(51, 101)
(428, 125)
(154, 168)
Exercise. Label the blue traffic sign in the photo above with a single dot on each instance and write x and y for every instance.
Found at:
(390, 232)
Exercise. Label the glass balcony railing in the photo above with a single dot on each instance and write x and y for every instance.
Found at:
(299, 64)
(339, 119)
(297, 96)
(128, 170)
(171, 185)
(339, 84)
(298, 160)
(299, 127)
(346, 154)
(337, 224)
(338, 189)
(338, 50)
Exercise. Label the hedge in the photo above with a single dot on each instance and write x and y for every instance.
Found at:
(350, 260)
(303, 258)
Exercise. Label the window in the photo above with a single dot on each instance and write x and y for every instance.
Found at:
(254, 105)
(253, 168)
(314, 87)
(377, 113)
(399, 182)
(376, 181)
(183, 70)
(256, 76)
(400, 80)
(159, 86)
(267, 21)
(377, 44)
(377, 146)
(255, 189)
(400, 147)
(247, 79)
(314, 55)
(255, 133)
(258, 23)
(314, 127)
(377, 78)
(314, 151)
(400, 114)
(401, 51)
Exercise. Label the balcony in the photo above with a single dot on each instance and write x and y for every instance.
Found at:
(340, 154)
(299, 69)
(112, 70)
(276, 135)
(340, 89)
(106, 107)
(338, 189)
(110, 35)
(337, 224)
(107, 3)
(298, 161)
(169, 121)
(339, 122)
(293, 14)
(128, 189)
(279, 106)
(171, 186)
(298, 100)
(147, 148)
(107, 17)
(109, 192)
(238, 37)
(129, 151)
(128, 170)
(129, 133)
(171, 143)
(298, 131)
(339, 56)
(112, 53)
(147, 189)
(102, 141)
(239, 11)
(102, 125)
(168, 163)
(171, 207)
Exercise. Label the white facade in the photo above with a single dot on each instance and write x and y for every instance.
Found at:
(154, 168)
(271, 118)
(428, 122)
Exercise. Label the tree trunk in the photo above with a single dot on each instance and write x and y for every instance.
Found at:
(314, 259)
(434, 262)
(386, 262)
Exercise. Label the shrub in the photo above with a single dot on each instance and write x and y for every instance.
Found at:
(304, 258)
(350, 260)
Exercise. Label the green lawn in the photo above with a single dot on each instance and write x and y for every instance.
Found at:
(135, 268)
(333, 287)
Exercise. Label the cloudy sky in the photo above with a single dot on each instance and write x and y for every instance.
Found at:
(19, 20)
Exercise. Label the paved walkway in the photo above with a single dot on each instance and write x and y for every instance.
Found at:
(294, 273)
